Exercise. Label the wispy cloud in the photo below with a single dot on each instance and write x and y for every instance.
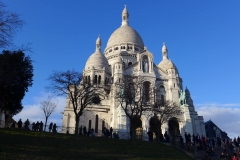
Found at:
(34, 113)
(225, 116)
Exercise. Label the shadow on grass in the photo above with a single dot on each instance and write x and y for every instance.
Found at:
(20, 144)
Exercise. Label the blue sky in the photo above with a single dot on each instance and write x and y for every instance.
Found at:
(202, 39)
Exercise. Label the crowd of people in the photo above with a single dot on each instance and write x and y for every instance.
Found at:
(38, 126)
(108, 133)
(230, 149)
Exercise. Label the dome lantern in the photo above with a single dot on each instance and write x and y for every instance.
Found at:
(98, 43)
(164, 51)
(125, 16)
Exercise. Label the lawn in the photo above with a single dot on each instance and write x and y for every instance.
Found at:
(20, 144)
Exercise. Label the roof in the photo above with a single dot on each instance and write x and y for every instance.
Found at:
(211, 133)
(125, 34)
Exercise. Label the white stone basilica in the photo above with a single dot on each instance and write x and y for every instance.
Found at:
(125, 54)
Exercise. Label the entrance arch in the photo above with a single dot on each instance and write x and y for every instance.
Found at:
(137, 125)
(173, 127)
(155, 127)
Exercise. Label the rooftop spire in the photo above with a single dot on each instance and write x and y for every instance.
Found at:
(125, 16)
(164, 51)
(98, 43)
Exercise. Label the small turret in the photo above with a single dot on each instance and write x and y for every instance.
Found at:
(118, 69)
(189, 100)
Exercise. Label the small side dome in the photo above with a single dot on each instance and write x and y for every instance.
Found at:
(170, 65)
(97, 60)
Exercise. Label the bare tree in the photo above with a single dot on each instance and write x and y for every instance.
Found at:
(80, 93)
(48, 108)
(163, 112)
(9, 24)
(134, 97)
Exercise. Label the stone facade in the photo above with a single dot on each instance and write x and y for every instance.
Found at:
(126, 54)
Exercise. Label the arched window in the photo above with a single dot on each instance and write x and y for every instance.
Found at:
(105, 81)
(89, 125)
(130, 63)
(96, 124)
(162, 100)
(123, 64)
(146, 91)
(88, 79)
(95, 80)
(99, 79)
(162, 89)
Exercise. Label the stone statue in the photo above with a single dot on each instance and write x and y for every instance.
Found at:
(182, 98)
(145, 66)
(122, 93)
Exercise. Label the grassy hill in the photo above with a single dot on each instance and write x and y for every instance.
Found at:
(20, 144)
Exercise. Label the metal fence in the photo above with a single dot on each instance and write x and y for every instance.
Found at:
(71, 130)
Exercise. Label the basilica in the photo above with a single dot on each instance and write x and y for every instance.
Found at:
(124, 55)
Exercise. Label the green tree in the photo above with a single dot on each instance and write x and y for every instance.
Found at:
(16, 73)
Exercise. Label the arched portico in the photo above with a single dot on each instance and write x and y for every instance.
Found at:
(173, 127)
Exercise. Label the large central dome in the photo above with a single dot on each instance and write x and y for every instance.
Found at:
(125, 34)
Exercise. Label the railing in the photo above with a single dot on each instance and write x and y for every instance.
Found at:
(71, 130)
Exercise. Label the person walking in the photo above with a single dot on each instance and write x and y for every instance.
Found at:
(111, 130)
(50, 127)
(41, 126)
(26, 124)
(80, 130)
(19, 124)
(92, 132)
(84, 131)
(54, 128)
(33, 126)
(37, 126)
